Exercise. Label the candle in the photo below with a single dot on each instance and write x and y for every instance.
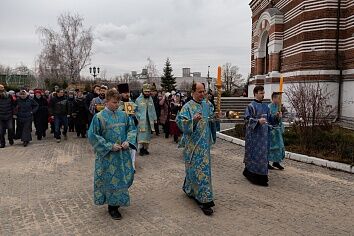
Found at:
(281, 84)
(281, 90)
(218, 81)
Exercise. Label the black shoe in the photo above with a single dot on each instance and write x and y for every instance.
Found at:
(11, 142)
(2, 145)
(146, 152)
(270, 167)
(115, 214)
(277, 165)
(78, 135)
(25, 144)
(83, 136)
(263, 184)
(39, 138)
(207, 210)
(142, 152)
(254, 179)
(44, 134)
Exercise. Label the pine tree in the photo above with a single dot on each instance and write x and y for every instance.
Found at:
(168, 82)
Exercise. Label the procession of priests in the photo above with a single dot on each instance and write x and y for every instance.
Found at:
(125, 127)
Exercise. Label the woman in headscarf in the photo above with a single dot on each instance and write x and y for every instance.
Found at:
(175, 107)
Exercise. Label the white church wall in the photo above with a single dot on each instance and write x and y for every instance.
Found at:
(348, 101)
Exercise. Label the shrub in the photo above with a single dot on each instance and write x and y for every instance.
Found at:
(226, 94)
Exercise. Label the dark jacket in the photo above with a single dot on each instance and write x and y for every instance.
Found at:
(174, 108)
(71, 102)
(59, 106)
(41, 116)
(43, 104)
(88, 99)
(26, 108)
(7, 105)
(157, 105)
(80, 111)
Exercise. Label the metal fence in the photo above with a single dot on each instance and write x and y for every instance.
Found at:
(17, 81)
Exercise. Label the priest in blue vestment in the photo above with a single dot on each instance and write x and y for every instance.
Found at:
(277, 148)
(259, 121)
(147, 118)
(112, 133)
(195, 122)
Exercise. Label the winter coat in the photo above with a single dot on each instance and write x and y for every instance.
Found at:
(59, 106)
(157, 106)
(26, 108)
(7, 105)
(165, 110)
(41, 116)
(79, 111)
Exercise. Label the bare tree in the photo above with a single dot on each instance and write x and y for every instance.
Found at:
(125, 78)
(186, 86)
(231, 77)
(103, 74)
(152, 72)
(135, 85)
(5, 70)
(311, 104)
(151, 68)
(67, 52)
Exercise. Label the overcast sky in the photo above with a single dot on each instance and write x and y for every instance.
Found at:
(193, 33)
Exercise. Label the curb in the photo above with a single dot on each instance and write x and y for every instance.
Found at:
(295, 156)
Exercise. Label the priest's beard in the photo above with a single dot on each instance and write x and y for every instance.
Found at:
(146, 96)
(125, 99)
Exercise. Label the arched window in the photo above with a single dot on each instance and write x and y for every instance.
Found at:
(266, 58)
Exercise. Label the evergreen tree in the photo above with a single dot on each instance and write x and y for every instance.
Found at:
(168, 82)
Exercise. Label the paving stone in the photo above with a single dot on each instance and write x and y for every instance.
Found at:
(46, 189)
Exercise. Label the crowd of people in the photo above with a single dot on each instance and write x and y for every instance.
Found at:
(64, 111)
(118, 125)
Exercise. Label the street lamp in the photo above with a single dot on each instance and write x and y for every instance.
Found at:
(94, 71)
(208, 80)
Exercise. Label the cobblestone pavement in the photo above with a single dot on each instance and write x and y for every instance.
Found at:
(46, 189)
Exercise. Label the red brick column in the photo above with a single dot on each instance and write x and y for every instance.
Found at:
(274, 63)
(259, 66)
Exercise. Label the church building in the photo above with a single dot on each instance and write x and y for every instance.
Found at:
(305, 41)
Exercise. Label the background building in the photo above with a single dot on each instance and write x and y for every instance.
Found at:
(183, 83)
(305, 40)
